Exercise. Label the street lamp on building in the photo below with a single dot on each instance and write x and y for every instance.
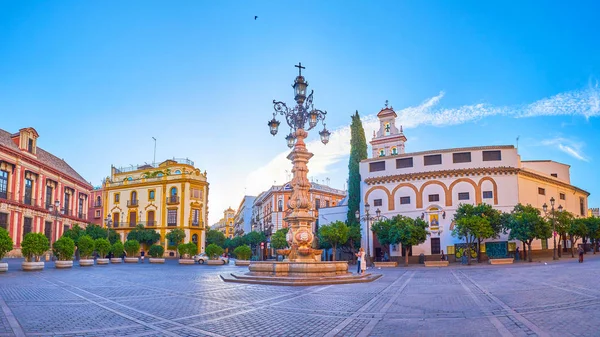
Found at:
(56, 212)
(368, 218)
(108, 222)
(560, 208)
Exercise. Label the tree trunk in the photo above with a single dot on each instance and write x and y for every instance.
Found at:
(479, 251)
(405, 257)
(529, 251)
(572, 246)
(524, 250)
(333, 252)
(595, 246)
(468, 254)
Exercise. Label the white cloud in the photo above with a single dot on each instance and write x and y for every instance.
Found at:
(570, 147)
(584, 102)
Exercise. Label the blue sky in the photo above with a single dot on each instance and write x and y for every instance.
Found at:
(98, 79)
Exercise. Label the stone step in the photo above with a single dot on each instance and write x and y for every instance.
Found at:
(298, 281)
(436, 263)
(509, 260)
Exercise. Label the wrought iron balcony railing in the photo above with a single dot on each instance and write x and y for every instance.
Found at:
(132, 203)
(172, 200)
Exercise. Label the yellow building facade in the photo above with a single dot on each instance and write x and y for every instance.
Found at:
(165, 196)
(226, 224)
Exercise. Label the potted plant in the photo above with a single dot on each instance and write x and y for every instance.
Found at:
(156, 254)
(117, 250)
(214, 252)
(85, 245)
(33, 246)
(242, 255)
(6, 245)
(64, 248)
(102, 247)
(185, 254)
(132, 247)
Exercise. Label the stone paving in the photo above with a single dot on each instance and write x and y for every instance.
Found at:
(557, 299)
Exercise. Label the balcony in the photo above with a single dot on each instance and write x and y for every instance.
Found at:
(171, 224)
(197, 223)
(6, 195)
(29, 201)
(97, 204)
(173, 200)
(82, 216)
(133, 203)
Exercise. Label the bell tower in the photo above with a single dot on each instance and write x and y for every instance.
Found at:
(389, 140)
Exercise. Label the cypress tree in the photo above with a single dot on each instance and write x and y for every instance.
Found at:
(358, 152)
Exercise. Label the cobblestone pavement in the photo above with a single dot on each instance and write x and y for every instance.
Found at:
(557, 299)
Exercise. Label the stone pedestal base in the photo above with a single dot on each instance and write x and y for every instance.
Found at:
(86, 262)
(102, 261)
(63, 264)
(132, 260)
(3, 266)
(31, 266)
(116, 260)
(298, 269)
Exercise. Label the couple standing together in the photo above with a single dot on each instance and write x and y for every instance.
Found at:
(362, 261)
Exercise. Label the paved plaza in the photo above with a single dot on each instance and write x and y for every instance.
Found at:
(557, 299)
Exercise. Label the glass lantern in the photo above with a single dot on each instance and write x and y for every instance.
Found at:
(312, 119)
(273, 126)
(324, 135)
(291, 140)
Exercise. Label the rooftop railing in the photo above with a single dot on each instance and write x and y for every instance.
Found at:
(151, 166)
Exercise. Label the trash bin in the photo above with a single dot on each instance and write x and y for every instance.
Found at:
(421, 258)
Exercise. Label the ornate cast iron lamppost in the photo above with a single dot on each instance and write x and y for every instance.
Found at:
(368, 219)
(301, 118)
(560, 208)
(56, 212)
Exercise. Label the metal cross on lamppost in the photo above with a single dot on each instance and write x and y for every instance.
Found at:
(368, 218)
(560, 208)
(300, 118)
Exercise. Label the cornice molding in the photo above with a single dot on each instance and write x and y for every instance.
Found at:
(460, 149)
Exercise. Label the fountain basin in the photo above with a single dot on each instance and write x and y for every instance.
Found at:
(298, 269)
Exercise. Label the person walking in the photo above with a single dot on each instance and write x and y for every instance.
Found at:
(358, 258)
(142, 255)
(443, 256)
(580, 251)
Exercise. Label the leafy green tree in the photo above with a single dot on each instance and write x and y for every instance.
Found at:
(156, 251)
(85, 246)
(192, 248)
(593, 230)
(405, 231)
(577, 230)
(477, 223)
(243, 252)
(117, 249)
(562, 224)
(254, 239)
(102, 247)
(526, 224)
(278, 240)
(113, 236)
(335, 234)
(132, 247)
(213, 251)
(95, 231)
(238, 241)
(383, 230)
(33, 246)
(358, 152)
(176, 236)
(64, 248)
(144, 236)
(215, 237)
(74, 233)
(6, 243)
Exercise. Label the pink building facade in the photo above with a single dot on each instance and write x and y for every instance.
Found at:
(32, 183)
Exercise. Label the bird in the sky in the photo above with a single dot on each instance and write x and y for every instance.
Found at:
(255, 17)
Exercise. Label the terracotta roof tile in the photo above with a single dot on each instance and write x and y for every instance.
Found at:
(44, 157)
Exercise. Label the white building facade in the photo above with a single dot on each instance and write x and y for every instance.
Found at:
(432, 185)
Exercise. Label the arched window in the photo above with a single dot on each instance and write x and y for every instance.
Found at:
(150, 218)
(178, 172)
(387, 129)
(134, 195)
(382, 153)
(129, 178)
(98, 201)
(174, 191)
(195, 238)
(394, 150)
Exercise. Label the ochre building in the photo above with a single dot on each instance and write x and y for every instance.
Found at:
(165, 196)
